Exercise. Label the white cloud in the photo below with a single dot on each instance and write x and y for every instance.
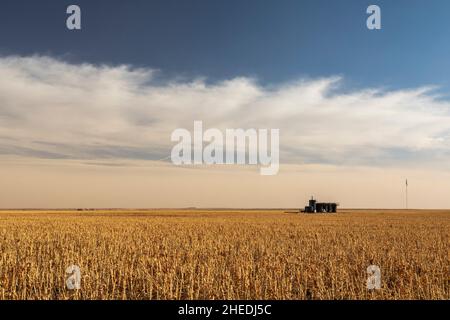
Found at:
(52, 109)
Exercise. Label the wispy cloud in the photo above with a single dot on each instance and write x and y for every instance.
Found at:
(53, 109)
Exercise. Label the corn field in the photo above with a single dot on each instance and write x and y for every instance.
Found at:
(201, 254)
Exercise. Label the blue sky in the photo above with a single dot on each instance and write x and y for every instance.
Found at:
(272, 41)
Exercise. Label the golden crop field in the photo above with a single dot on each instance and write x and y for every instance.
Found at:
(201, 254)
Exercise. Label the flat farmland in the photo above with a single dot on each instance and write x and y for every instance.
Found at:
(224, 254)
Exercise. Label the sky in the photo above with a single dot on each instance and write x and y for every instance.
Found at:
(86, 116)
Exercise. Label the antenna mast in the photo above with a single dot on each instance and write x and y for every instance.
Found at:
(406, 194)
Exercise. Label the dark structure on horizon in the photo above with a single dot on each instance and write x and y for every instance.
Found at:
(320, 207)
